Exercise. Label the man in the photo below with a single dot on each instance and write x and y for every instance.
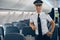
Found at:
(38, 22)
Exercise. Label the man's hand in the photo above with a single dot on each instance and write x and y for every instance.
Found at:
(52, 28)
(49, 33)
(33, 28)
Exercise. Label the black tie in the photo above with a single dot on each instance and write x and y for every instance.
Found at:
(39, 26)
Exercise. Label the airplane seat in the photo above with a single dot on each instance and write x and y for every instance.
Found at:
(12, 30)
(13, 37)
(22, 21)
(59, 15)
(13, 33)
(59, 10)
(54, 35)
(1, 33)
(28, 31)
(59, 31)
(7, 25)
(52, 13)
(21, 25)
(26, 21)
(15, 24)
(0, 37)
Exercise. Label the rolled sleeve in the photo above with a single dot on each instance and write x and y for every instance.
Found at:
(49, 18)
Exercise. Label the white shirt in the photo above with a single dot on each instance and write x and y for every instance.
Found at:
(44, 17)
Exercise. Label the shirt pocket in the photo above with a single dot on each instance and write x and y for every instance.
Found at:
(43, 22)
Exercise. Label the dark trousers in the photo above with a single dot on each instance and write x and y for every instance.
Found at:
(44, 37)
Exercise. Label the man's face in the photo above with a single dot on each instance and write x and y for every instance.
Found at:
(38, 8)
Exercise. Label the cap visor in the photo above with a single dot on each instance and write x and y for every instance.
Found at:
(38, 3)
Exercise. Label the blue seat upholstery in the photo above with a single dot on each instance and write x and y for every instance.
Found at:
(54, 35)
(15, 24)
(59, 10)
(7, 25)
(27, 22)
(0, 37)
(2, 31)
(12, 30)
(13, 37)
(21, 25)
(59, 33)
(59, 22)
(52, 13)
(28, 31)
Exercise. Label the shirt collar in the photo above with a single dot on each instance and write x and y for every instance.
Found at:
(37, 13)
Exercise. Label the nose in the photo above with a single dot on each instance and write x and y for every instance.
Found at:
(38, 6)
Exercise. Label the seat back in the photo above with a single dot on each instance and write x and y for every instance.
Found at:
(2, 31)
(15, 24)
(27, 22)
(21, 25)
(13, 37)
(7, 25)
(28, 31)
(12, 30)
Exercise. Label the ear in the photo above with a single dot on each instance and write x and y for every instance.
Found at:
(34, 6)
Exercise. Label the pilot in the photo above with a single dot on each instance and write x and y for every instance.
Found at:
(38, 22)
